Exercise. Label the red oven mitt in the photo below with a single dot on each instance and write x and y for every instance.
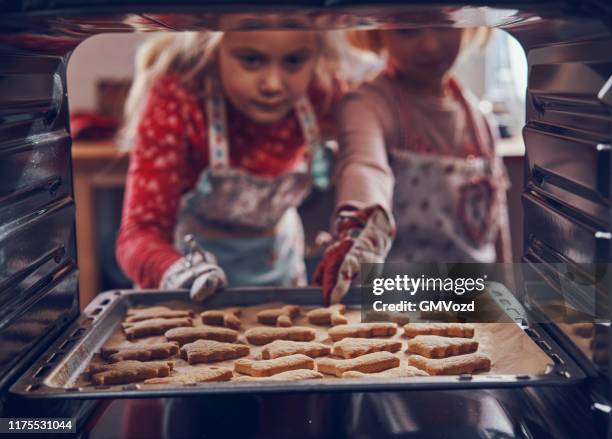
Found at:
(361, 236)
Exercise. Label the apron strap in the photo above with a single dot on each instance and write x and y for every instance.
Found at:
(218, 149)
(310, 127)
(476, 134)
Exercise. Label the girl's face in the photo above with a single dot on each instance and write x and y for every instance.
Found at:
(264, 73)
(424, 56)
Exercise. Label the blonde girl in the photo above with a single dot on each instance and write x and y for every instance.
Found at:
(222, 127)
(414, 143)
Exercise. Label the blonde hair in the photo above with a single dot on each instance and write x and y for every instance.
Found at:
(191, 56)
(371, 41)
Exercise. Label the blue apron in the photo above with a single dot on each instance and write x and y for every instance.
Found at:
(249, 222)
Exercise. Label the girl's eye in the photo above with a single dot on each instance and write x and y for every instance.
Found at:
(294, 63)
(251, 61)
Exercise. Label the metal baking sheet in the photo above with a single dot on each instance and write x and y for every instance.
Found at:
(51, 376)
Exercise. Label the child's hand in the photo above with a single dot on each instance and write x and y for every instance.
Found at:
(198, 273)
(362, 236)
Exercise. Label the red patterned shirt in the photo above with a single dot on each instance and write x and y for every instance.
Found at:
(170, 151)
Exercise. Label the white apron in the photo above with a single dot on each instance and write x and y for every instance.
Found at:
(446, 208)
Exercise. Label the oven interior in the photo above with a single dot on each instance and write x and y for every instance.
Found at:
(566, 193)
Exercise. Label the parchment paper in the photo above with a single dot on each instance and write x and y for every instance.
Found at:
(510, 349)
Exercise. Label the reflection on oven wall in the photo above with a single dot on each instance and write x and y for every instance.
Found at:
(99, 76)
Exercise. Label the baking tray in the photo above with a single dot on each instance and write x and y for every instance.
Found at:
(69, 355)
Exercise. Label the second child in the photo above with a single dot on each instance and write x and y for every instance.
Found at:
(415, 143)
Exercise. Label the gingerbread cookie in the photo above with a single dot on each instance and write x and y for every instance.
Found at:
(209, 351)
(261, 336)
(290, 375)
(332, 315)
(130, 371)
(151, 327)
(440, 316)
(398, 372)
(362, 330)
(222, 317)
(141, 352)
(369, 363)
(452, 365)
(383, 316)
(443, 329)
(188, 335)
(266, 368)
(355, 347)
(282, 348)
(155, 312)
(194, 376)
(434, 346)
(279, 316)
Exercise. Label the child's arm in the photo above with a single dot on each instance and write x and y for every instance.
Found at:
(364, 186)
(157, 176)
(363, 176)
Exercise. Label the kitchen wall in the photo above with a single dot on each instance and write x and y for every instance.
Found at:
(111, 56)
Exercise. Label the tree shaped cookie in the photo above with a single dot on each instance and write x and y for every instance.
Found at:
(130, 371)
(230, 317)
(265, 368)
(332, 315)
(279, 316)
(155, 312)
(193, 376)
(369, 363)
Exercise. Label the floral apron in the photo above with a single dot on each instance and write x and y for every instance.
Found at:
(226, 199)
(446, 208)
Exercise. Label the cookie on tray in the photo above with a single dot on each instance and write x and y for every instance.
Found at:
(263, 335)
(290, 375)
(194, 376)
(265, 368)
(140, 352)
(209, 351)
(397, 372)
(362, 330)
(281, 317)
(435, 346)
(152, 327)
(230, 317)
(332, 315)
(369, 363)
(355, 347)
(463, 330)
(130, 371)
(460, 364)
(155, 312)
(188, 335)
(282, 348)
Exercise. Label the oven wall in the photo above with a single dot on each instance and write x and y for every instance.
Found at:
(38, 270)
(567, 191)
